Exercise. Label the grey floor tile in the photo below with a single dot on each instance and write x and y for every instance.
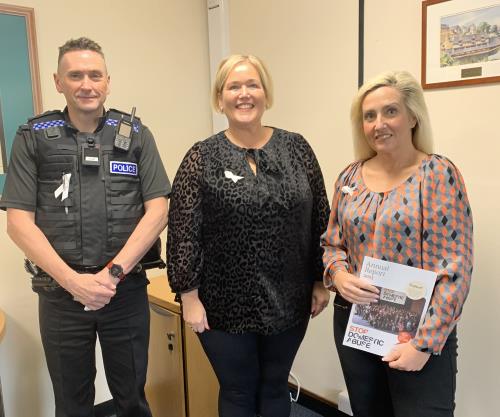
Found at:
(299, 411)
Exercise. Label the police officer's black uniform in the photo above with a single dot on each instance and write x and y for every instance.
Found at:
(88, 196)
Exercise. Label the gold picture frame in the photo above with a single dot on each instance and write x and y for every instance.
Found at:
(460, 42)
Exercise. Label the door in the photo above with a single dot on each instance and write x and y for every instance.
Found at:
(165, 381)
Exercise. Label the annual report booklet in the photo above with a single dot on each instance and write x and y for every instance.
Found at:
(404, 296)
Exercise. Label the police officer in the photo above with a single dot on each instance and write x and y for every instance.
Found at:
(86, 198)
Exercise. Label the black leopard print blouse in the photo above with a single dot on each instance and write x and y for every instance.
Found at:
(249, 243)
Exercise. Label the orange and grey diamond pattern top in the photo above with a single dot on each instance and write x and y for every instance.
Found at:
(425, 222)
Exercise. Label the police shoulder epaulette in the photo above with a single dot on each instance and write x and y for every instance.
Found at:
(25, 129)
(27, 133)
(46, 114)
(114, 116)
(47, 119)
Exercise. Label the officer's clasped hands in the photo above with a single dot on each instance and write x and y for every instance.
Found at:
(94, 291)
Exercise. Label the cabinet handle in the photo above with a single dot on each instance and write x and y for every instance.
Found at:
(170, 335)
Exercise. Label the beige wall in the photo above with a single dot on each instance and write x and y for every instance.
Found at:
(311, 49)
(465, 129)
(157, 55)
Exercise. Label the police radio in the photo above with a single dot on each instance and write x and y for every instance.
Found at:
(123, 135)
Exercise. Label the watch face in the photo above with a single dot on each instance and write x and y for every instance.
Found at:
(116, 270)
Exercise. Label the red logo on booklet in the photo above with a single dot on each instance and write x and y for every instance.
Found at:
(404, 337)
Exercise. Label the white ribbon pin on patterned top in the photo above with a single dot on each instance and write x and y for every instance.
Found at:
(348, 190)
(235, 178)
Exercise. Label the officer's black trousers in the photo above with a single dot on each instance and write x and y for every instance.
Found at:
(69, 337)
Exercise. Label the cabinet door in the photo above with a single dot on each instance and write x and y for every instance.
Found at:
(165, 381)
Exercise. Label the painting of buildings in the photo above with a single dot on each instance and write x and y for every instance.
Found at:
(470, 37)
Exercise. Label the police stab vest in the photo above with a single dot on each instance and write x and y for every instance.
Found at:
(90, 222)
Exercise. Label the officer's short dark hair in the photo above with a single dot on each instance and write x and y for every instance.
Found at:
(80, 44)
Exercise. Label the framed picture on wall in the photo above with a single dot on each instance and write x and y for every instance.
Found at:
(20, 96)
(460, 42)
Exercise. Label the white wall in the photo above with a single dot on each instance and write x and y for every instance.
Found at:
(157, 55)
(311, 49)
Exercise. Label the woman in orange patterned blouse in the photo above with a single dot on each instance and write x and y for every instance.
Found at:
(401, 203)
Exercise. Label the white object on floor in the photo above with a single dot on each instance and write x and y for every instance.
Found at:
(297, 382)
(344, 403)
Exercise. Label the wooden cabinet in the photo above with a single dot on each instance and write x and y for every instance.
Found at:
(165, 381)
(180, 382)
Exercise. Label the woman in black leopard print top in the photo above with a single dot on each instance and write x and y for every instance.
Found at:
(248, 207)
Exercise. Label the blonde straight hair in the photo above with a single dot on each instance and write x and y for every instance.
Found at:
(413, 98)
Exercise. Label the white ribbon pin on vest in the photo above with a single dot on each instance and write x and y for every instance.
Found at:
(63, 189)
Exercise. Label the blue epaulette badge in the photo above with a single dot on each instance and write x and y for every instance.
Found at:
(50, 123)
(114, 122)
